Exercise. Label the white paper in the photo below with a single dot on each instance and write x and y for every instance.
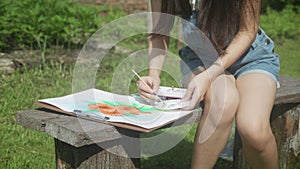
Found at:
(81, 100)
(172, 104)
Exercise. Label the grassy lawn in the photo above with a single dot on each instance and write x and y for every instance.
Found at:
(289, 57)
(24, 148)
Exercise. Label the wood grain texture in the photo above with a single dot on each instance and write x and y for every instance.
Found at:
(289, 92)
(92, 156)
(287, 133)
(74, 131)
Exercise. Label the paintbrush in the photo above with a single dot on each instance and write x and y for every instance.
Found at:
(155, 94)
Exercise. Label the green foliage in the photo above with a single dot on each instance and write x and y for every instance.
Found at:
(283, 24)
(278, 5)
(289, 57)
(38, 23)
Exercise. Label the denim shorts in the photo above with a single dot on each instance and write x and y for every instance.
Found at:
(259, 58)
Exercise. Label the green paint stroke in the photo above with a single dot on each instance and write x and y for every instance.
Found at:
(130, 115)
(139, 106)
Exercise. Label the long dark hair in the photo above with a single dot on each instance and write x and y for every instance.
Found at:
(220, 19)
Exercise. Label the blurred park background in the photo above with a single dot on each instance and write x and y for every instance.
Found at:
(39, 43)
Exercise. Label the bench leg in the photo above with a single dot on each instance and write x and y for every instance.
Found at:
(285, 123)
(92, 156)
(286, 129)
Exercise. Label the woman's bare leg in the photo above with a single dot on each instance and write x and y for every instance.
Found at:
(221, 102)
(257, 92)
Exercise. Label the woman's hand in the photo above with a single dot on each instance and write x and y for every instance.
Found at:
(145, 92)
(196, 90)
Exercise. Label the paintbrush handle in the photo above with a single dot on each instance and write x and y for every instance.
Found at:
(146, 84)
(141, 79)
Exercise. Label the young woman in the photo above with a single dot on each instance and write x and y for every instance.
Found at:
(246, 90)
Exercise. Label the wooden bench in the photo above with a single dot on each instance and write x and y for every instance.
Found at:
(79, 143)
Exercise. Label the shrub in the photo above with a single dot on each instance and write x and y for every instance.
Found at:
(278, 5)
(282, 24)
(36, 23)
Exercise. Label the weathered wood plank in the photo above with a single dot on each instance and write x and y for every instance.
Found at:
(289, 92)
(79, 132)
(34, 119)
(74, 131)
(92, 156)
(287, 133)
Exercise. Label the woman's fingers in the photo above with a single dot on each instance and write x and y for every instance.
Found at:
(193, 94)
(189, 96)
(195, 100)
(155, 84)
(189, 92)
(147, 96)
(147, 87)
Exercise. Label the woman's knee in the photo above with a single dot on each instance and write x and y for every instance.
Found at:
(231, 102)
(224, 99)
(254, 135)
(224, 94)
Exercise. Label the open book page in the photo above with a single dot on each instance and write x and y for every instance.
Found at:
(116, 108)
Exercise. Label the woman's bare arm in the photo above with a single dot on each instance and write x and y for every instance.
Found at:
(158, 47)
(158, 44)
(242, 41)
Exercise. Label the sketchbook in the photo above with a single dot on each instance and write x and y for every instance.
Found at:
(127, 111)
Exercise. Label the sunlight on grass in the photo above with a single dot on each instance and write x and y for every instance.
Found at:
(289, 57)
(24, 148)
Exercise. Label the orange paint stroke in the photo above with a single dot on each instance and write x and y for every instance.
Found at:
(116, 110)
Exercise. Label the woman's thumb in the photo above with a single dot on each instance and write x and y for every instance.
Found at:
(188, 93)
(155, 87)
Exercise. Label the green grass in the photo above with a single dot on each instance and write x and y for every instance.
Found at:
(24, 148)
(20, 147)
(289, 57)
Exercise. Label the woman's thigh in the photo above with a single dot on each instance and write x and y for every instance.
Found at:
(257, 93)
